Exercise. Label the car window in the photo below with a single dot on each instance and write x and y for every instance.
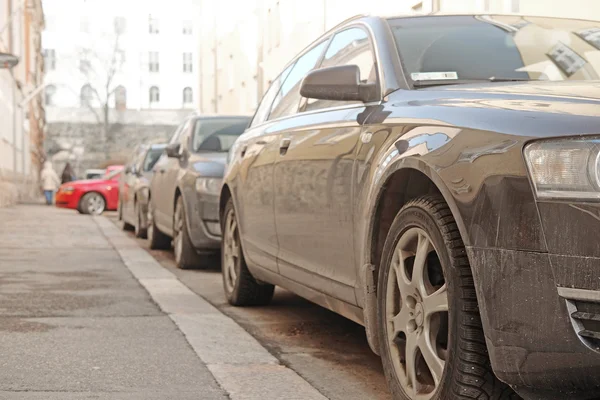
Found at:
(349, 47)
(288, 99)
(265, 105)
(177, 133)
(218, 134)
(496, 47)
(151, 158)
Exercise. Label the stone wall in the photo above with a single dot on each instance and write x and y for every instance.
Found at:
(84, 146)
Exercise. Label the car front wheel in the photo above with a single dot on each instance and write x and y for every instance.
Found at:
(241, 289)
(433, 345)
(92, 203)
(157, 239)
(186, 256)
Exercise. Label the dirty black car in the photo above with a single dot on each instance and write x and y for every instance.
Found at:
(134, 188)
(184, 191)
(436, 179)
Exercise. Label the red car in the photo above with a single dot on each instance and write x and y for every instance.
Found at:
(92, 196)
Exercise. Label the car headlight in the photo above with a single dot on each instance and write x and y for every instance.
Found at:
(67, 189)
(565, 168)
(208, 185)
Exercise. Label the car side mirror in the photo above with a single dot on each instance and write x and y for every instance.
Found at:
(340, 83)
(173, 150)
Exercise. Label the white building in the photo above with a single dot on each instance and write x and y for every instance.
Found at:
(122, 53)
(21, 114)
(274, 31)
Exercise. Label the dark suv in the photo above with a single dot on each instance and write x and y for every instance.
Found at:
(184, 190)
(436, 179)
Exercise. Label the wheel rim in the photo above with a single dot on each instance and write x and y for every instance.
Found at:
(231, 252)
(417, 315)
(177, 240)
(150, 220)
(138, 221)
(95, 204)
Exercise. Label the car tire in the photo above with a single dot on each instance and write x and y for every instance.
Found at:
(241, 288)
(425, 270)
(139, 230)
(157, 239)
(92, 203)
(186, 256)
(124, 225)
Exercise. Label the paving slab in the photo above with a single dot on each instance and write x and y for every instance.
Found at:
(76, 324)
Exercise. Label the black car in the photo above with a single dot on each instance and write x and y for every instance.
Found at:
(134, 188)
(437, 179)
(184, 205)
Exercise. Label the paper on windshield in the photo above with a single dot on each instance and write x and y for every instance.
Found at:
(433, 76)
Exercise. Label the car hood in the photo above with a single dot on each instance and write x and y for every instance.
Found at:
(522, 108)
(209, 164)
(88, 182)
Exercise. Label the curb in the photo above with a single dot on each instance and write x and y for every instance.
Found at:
(239, 363)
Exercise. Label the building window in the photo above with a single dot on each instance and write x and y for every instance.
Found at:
(119, 25)
(187, 27)
(153, 63)
(187, 96)
(120, 98)
(120, 57)
(84, 25)
(49, 94)
(86, 95)
(85, 66)
(515, 6)
(187, 62)
(50, 59)
(153, 27)
(154, 95)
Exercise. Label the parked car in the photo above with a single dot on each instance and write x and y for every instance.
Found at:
(184, 191)
(134, 188)
(91, 196)
(437, 179)
(94, 173)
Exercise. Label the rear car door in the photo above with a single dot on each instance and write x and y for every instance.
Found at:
(253, 191)
(314, 174)
(159, 194)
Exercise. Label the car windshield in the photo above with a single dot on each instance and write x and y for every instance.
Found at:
(111, 174)
(152, 157)
(217, 135)
(455, 49)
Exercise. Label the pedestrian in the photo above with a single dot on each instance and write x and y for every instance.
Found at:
(50, 182)
(68, 175)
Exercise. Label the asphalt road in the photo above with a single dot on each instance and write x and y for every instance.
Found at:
(329, 351)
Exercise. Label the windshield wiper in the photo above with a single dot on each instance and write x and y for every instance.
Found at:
(442, 82)
(495, 79)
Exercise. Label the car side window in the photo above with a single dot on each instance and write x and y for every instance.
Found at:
(265, 105)
(175, 136)
(348, 47)
(288, 99)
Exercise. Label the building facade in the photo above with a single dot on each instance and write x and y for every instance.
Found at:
(129, 55)
(276, 30)
(22, 121)
(110, 66)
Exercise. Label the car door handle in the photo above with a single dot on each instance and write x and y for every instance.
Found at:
(162, 170)
(284, 145)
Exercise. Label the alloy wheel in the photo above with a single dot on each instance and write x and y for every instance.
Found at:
(417, 315)
(95, 204)
(231, 252)
(178, 238)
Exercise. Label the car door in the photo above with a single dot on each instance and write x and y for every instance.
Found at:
(129, 184)
(163, 190)
(253, 191)
(314, 213)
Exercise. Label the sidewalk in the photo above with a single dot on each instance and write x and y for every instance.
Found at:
(77, 321)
